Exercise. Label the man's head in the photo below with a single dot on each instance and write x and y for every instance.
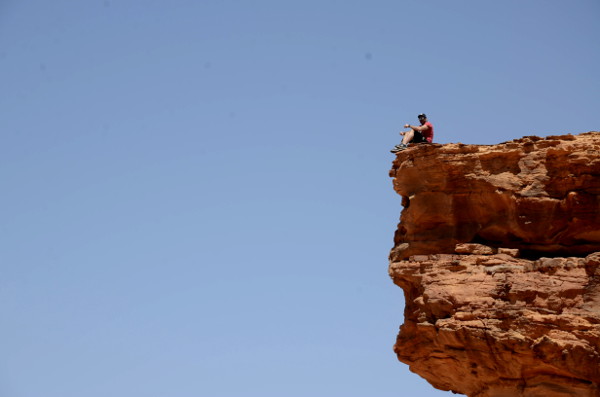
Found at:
(422, 118)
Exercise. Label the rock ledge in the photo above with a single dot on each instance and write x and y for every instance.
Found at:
(498, 254)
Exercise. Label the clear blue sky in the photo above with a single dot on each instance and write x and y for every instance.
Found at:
(195, 199)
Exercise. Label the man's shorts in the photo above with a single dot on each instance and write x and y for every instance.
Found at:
(418, 138)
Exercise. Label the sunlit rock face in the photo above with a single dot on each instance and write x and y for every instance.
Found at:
(537, 195)
(498, 254)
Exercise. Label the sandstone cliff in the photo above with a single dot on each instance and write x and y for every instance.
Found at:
(498, 254)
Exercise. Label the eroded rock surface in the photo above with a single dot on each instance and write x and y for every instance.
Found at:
(538, 195)
(498, 254)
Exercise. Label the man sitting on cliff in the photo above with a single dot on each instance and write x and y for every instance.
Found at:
(416, 134)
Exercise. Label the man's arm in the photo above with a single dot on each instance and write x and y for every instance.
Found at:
(419, 128)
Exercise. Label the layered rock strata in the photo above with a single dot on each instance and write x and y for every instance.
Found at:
(538, 195)
(498, 254)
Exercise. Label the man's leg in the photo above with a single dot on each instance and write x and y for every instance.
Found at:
(408, 136)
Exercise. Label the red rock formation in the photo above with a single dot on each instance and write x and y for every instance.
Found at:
(479, 320)
(537, 195)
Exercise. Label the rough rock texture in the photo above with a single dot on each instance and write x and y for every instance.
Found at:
(498, 254)
(537, 195)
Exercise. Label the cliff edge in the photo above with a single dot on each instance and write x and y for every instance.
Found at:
(498, 254)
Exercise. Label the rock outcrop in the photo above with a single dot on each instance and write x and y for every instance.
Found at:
(498, 254)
